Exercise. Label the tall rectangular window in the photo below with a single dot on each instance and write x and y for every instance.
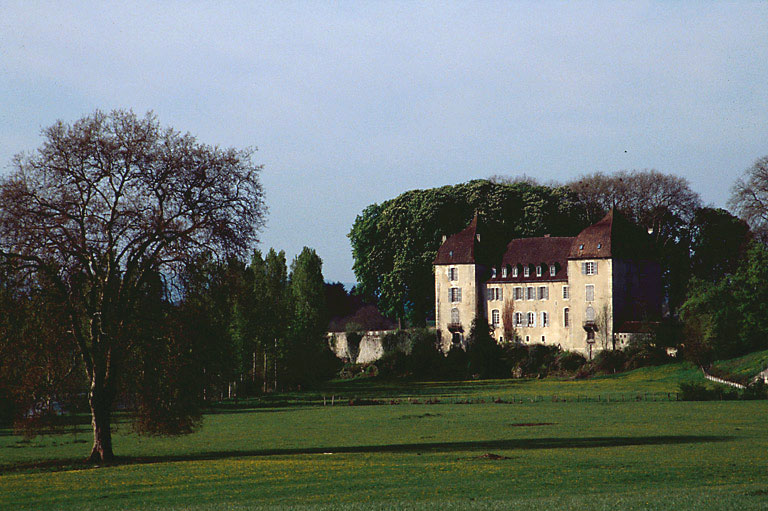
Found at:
(527, 271)
(454, 294)
(543, 293)
(514, 271)
(552, 270)
(530, 293)
(544, 319)
(518, 293)
(566, 317)
(589, 292)
(495, 317)
(453, 274)
(566, 293)
(589, 268)
(531, 319)
(504, 272)
(518, 319)
(538, 271)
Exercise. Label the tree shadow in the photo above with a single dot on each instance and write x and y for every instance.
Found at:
(523, 444)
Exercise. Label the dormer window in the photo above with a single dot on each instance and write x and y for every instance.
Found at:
(514, 271)
(504, 272)
(527, 271)
(538, 271)
(581, 247)
(552, 270)
(599, 246)
(493, 272)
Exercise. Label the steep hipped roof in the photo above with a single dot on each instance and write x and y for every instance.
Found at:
(536, 251)
(459, 248)
(612, 236)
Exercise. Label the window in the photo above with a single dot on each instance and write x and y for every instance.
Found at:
(589, 292)
(518, 319)
(543, 293)
(590, 314)
(493, 272)
(495, 293)
(527, 271)
(538, 271)
(518, 293)
(530, 293)
(504, 272)
(543, 339)
(544, 319)
(514, 271)
(495, 317)
(454, 294)
(566, 293)
(599, 246)
(531, 319)
(453, 274)
(552, 270)
(589, 268)
(501, 339)
(527, 338)
(581, 247)
(454, 316)
(566, 317)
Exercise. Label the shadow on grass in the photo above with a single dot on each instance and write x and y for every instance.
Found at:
(425, 447)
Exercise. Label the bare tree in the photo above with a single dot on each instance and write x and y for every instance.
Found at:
(659, 202)
(106, 204)
(749, 198)
(508, 320)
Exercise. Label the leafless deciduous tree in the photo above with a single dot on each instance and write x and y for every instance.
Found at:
(749, 198)
(109, 201)
(654, 200)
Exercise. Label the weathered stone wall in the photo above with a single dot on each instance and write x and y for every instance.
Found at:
(371, 346)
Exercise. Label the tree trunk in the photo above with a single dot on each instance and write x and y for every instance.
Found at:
(101, 406)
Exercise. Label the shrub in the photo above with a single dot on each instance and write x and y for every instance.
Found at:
(610, 361)
(756, 390)
(694, 392)
(569, 361)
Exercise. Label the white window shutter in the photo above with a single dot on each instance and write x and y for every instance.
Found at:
(595, 267)
(583, 268)
(459, 297)
(501, 293)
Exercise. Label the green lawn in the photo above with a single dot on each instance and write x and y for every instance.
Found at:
(543, 454)
(742, 369)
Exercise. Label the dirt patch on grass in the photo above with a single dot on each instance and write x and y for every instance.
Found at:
(527, 424)
(422, 416)
(492, 456)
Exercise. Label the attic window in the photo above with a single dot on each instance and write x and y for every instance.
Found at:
(450, 253)
(581, 247)
(514, 271)
(538, 271)
(527, 271)
(493, 272)
(552, 270)
(599, 246)
(504, 272)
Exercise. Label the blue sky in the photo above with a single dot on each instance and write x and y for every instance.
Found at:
(351, 103)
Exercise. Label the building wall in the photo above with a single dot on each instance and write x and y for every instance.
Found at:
(602, 305)
(467, 281)
(556, 333)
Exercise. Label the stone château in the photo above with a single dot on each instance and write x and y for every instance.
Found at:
(582, 293)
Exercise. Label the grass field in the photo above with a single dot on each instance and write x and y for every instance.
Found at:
(290, 451)
(743, 369)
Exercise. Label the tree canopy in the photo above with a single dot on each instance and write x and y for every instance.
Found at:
(749, 198)
(394, 243)
(108, 204)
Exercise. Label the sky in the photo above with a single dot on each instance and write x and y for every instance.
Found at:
(353, 103)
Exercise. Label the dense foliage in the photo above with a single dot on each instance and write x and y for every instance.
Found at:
(394, 243)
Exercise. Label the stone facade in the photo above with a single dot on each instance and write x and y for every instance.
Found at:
(578, 293)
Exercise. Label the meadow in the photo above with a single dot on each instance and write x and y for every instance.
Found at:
(612, 442)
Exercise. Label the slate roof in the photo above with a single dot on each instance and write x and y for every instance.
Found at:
(533, 252)
(613, 236)
(459, 248)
